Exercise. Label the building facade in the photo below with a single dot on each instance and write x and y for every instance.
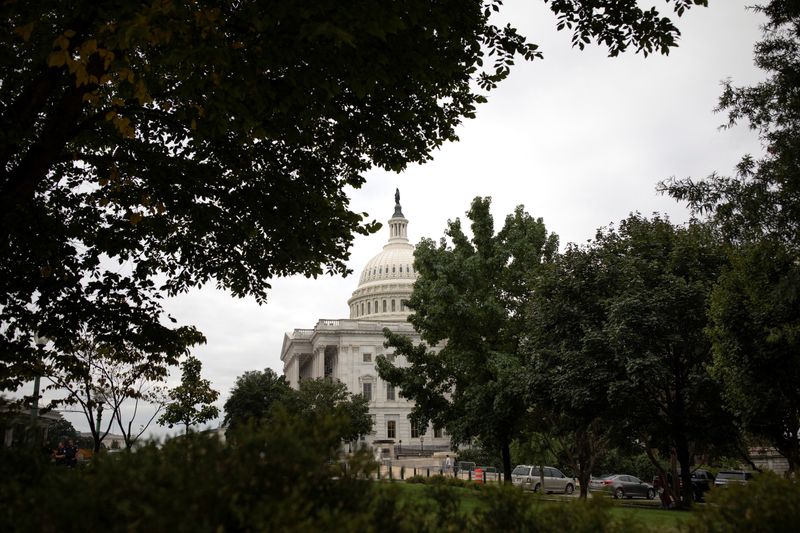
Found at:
(346, 349)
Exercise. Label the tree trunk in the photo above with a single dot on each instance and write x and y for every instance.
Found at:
(790, 449)
(684, 459)
(505, 450)
(584, 477)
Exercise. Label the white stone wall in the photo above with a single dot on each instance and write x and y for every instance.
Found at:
(352, 340)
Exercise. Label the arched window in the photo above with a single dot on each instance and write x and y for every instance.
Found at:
(392, 305)
(362, 308)
(402, 305)
(392, 269)
(368, 309)
(384, 306)
(376, 306)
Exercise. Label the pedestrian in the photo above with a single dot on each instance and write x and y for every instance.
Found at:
(59, 454)
(448, 465)
(70, 454)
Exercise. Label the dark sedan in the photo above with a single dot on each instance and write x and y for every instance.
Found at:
(623, 486)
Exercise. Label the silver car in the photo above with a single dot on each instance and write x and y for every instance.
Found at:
(530, 477)
(732, 477)
(623, 486)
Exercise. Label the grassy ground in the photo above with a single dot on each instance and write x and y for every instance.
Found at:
(653, 519)
(649, 516)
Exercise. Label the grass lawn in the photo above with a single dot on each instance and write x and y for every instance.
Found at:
(654, 519)
(469, 499)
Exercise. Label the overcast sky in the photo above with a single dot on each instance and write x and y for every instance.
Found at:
(578, 138)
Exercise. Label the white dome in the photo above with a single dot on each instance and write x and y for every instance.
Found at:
(388, 278)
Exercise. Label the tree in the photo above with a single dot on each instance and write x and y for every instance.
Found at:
(215, 140)
(655, 324)
(326, 399)
(470, 297)
(567, 342)
(755, 316)
(253, 395)
(101, 380)
(191, 400)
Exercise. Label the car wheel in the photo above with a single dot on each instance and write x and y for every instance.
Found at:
(651, 494)
(536, 488)
(569, 489)
(619, 494)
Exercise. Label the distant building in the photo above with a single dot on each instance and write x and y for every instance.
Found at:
(16, 426)
(109, 442)
(346, 349)
(768, 458)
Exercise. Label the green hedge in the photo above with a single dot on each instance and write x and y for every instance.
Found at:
(769, 503)
(288, 477)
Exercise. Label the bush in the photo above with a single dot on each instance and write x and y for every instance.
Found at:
(511, 509)
(444, 481)
(768, 503)
(280, 478)
(285, 477)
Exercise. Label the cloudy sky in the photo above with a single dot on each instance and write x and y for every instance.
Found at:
(578, 138)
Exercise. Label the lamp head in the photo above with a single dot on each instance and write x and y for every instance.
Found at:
(40, 340)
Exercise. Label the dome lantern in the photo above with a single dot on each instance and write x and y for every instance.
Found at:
(387, 280)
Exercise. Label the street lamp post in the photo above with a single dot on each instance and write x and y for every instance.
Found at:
(41, 342)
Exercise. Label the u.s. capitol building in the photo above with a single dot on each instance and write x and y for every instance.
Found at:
(345, 349)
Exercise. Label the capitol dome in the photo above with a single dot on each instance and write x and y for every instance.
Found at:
(388, 278)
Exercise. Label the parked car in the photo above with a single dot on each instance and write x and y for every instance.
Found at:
(702, 481)
(531, 477)
(623, 486)
(732, 477)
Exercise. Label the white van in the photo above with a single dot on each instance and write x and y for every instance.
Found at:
(529, 477)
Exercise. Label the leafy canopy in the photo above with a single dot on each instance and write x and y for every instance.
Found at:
(655, 324)
(150, 147)
(253, 395)
(321, 399)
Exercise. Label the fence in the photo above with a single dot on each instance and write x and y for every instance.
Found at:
(394, 472)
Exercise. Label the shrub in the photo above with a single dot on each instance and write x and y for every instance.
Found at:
(767, 503)
(444, 481)
(512, 509)
(280, 478)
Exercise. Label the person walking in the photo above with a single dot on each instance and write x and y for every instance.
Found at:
(70, 454)
(59, 454)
